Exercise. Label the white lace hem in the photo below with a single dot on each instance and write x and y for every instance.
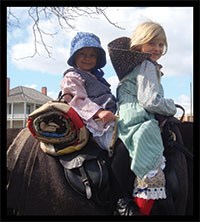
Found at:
(150, 193)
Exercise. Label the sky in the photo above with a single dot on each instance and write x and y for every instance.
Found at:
(41, 70)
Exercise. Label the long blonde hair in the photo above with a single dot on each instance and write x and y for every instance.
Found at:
(145, 32)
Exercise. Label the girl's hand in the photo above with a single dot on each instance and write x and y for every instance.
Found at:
(105, 116)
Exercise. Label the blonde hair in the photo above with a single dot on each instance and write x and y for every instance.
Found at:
(145, 32)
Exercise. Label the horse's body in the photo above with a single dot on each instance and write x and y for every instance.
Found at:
(37, 185)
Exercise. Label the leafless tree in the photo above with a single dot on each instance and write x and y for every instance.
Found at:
(65, 17)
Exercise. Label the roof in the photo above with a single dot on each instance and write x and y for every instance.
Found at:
(25, 94)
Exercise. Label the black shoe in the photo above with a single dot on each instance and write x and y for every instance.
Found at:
(126, 207)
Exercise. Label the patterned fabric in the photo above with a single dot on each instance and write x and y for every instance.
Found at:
(151, 187)
(141, 96)
(123, 59)
(58, 127)
(137, 127)
(85, 39)
(88, 95)
(98, 92)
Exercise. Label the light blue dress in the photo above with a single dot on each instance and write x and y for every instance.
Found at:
(140, 95)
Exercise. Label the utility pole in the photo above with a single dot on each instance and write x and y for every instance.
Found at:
(190, 101)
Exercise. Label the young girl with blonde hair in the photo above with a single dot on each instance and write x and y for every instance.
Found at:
(141, 97)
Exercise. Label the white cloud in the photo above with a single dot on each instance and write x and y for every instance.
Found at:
(54, 65)
(21, 52)
(177, 22)
(113, 80)
(52, 94)
(185, 102)
(33, 86)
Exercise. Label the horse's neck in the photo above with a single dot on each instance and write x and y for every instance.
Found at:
(16, 147)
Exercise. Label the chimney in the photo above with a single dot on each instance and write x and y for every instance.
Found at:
(8, 87)
(44, 91)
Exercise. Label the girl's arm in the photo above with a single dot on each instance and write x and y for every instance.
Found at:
(150, 91)
(74, 86)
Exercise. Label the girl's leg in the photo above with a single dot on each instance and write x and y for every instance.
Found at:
(120, 170)
(149, 189)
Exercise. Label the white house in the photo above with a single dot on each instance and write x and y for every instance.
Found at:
(21, 101)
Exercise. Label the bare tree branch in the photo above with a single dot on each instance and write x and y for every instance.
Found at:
(65, 16)
(12, 20)
(100, 11)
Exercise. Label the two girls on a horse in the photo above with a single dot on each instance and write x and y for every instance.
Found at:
(140, 97)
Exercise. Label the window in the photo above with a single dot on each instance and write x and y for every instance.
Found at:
(28, 109)
(9, 109)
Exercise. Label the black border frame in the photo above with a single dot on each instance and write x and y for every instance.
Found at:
(6, 3)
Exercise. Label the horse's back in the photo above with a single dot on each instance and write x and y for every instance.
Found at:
(187, 129)
(178, 174)
(37, 186)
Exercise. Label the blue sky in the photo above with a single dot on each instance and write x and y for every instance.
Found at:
(42, 71)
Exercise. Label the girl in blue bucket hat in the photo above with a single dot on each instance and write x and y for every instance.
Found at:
(90, 95)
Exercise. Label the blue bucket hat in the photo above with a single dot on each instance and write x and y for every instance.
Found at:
(85, 39)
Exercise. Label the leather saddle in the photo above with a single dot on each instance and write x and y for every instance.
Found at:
(87, 172)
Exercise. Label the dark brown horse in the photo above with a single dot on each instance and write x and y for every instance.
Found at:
(37, 184)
